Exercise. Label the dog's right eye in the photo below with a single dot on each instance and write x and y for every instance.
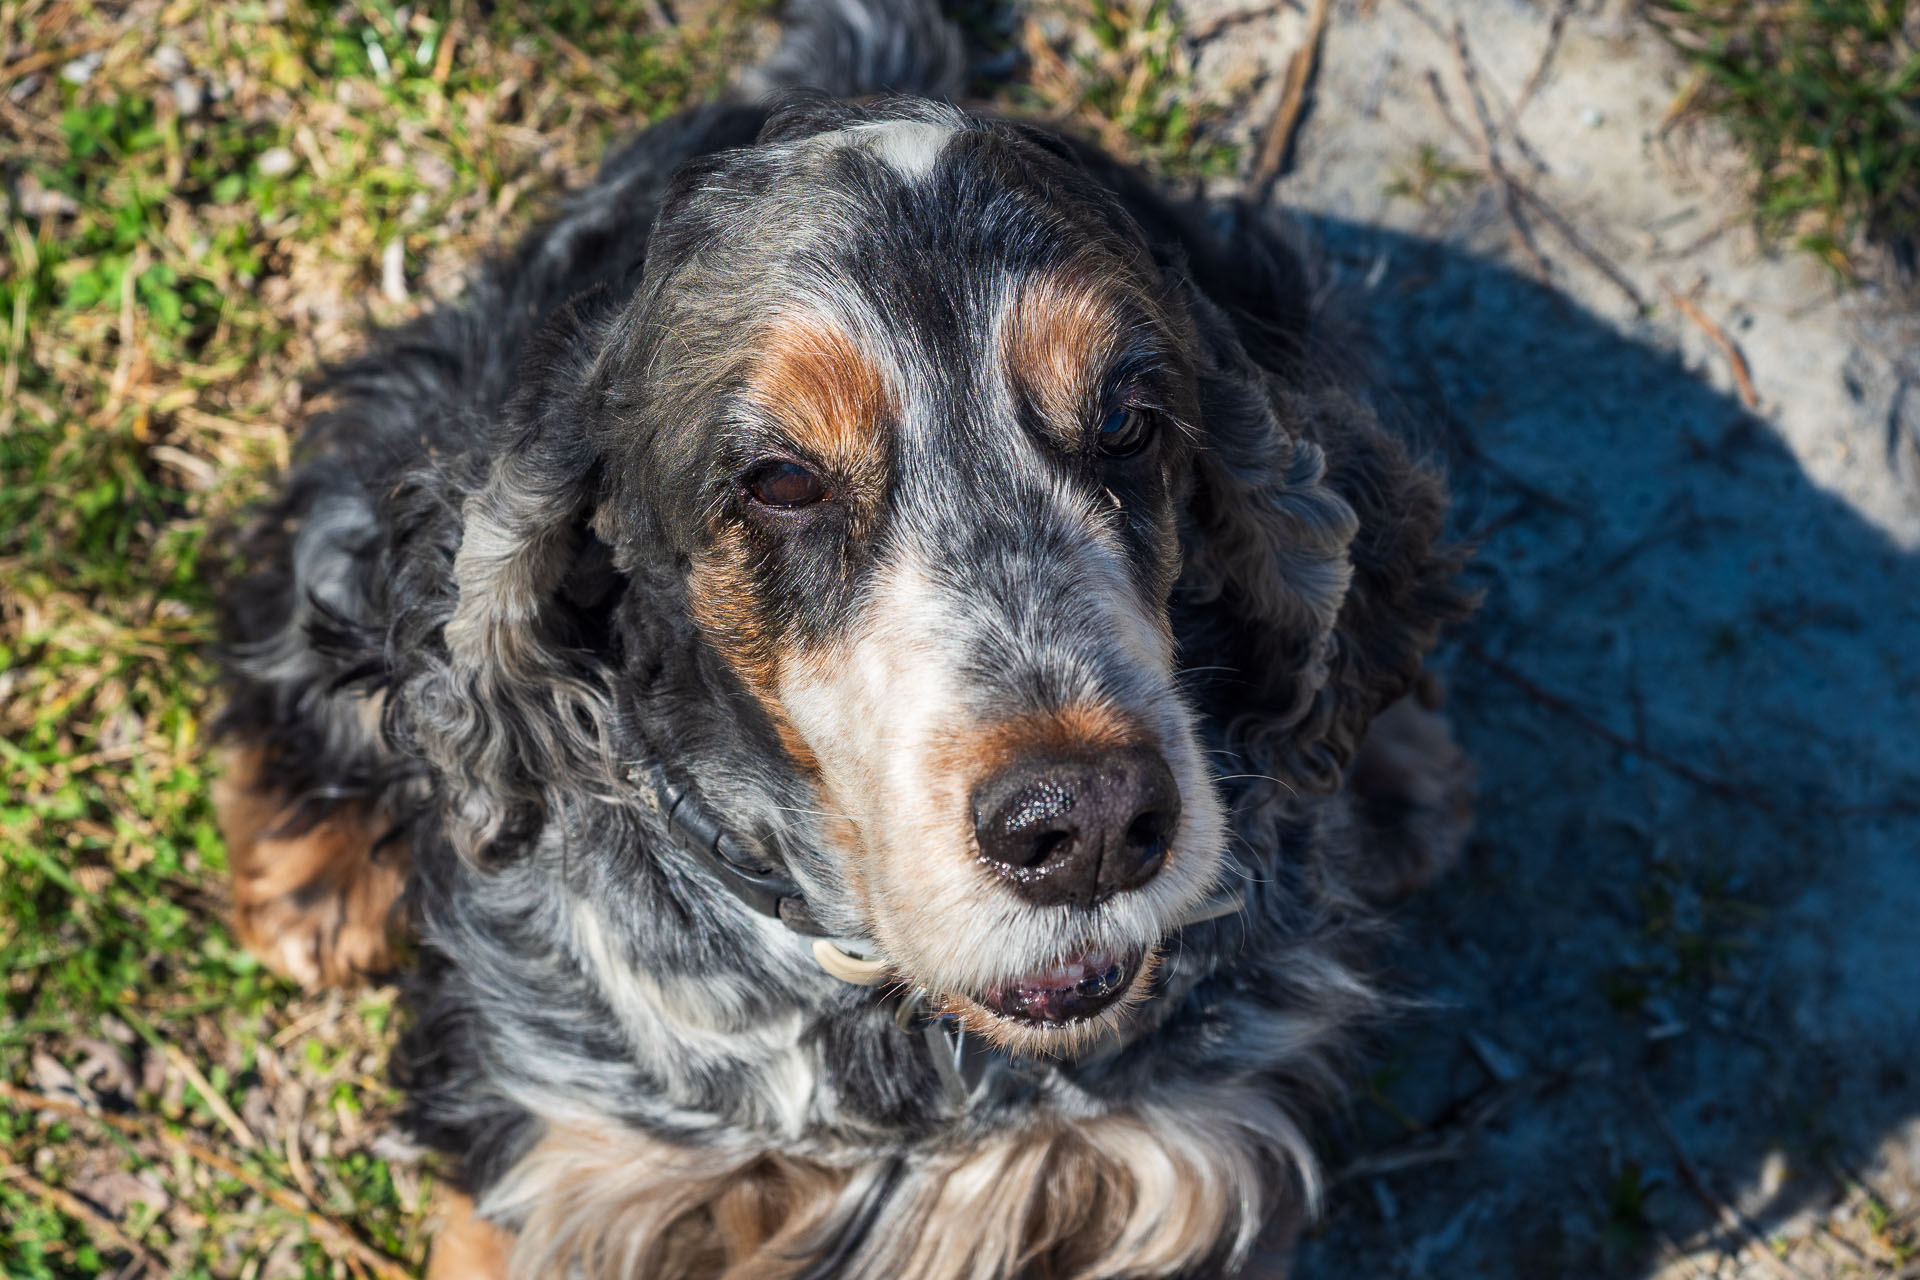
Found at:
(784, 484)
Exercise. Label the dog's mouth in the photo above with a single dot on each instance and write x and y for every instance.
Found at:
(1073, 990)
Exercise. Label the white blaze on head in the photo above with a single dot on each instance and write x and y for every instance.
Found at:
(909, 147)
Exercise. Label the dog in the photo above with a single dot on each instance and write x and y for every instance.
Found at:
(863, 678)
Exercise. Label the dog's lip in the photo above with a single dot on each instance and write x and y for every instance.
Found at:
(1073, 989)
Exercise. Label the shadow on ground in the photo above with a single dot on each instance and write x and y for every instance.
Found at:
(1681, 961)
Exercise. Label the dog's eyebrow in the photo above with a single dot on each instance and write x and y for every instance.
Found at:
(829, 396)
(1060, 336)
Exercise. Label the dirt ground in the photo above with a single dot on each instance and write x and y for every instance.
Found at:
(1672, 997)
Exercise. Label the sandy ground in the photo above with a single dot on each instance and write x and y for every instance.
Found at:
(1674, 990)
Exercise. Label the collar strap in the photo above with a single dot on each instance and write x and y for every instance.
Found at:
(751, 878)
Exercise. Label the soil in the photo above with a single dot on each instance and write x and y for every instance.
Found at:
(1669, 1004)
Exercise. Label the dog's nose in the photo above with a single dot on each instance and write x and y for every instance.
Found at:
(1078, 831)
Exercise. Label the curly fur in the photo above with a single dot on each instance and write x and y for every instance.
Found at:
(511, 564)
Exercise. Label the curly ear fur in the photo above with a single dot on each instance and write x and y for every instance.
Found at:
(1315, 533)
(520, 705)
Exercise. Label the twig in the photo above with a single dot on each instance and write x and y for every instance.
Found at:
(1555, 29)
(1202, 32)
(1582, 246)
(1300, 68)
(578, 56)
(338, 1239)
(53, 57)
(74, 1207)
(215, 1103)
(443, 56)
(1443, 1140)
(1514, 192)
(1730, 1218)
(1445, 106)
(1490, 156)
(1742, 375)
(1554, 702)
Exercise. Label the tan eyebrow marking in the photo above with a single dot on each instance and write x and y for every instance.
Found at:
(1055, 339)
(815, 380)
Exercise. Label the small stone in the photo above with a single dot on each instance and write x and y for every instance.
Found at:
(37, 201)
(1593, 117)
(433, 171)
(187, 98)
(168, 62)
(393, 271)
(276, 162)
(81, 69)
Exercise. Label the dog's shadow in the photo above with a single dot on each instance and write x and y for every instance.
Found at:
(1673, 992)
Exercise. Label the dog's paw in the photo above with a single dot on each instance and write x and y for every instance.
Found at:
(315, 907)
(1412, 789)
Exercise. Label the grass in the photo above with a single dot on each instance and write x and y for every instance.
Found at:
(204, 200)
(200, 198)
(1825, 97)
(1119, 71)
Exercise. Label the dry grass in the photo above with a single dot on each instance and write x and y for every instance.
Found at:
(203, 201)
(1825, 97)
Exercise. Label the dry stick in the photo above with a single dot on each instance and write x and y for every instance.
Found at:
(1490, 158)
(580, 58)
(1555, 29)
(336, 1238)
(1582, 246)
(1207, 30)
(1293, 98)
(35, 61)
(74, 1207)
(1730, 1218)
(1513, 191)
(1742, 375)
(443, 56)
(1745, 792)
(215, 1103)
(1445, 107)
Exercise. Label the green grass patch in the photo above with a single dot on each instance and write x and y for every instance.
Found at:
(1825, 97)
(200, 197)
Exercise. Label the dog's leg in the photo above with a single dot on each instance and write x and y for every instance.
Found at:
(315, 901)
(1412, 791)
(465, 1245)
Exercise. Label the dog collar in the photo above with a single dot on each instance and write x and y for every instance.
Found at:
(751, 879)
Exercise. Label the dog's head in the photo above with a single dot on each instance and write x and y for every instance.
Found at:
(932, 439)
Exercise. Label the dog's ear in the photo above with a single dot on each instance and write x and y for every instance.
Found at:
(1313, 544)
(522, 703)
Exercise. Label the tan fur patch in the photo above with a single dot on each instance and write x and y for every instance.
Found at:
(834, 404)
(721, 594)
(316, 907)
(1058, 335)
(465, 1245)
(833, 400)
(1148, 1191)
(1082, 727)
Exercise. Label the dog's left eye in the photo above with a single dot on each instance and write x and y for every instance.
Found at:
(1125, 432)
(785, 484)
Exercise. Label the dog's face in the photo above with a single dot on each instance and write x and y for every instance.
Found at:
(931, 411)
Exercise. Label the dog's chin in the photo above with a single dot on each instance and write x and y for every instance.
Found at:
(1068, 1009)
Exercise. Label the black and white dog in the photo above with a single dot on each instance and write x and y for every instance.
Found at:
(859, 654)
